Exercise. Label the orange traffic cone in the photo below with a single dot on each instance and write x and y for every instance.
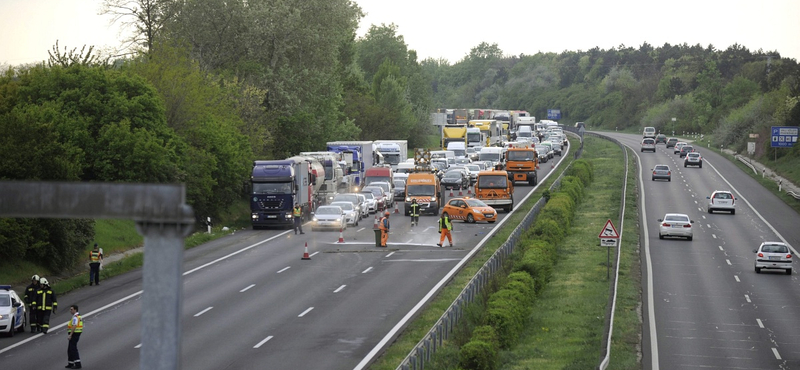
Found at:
(341, 236)
(305, 254)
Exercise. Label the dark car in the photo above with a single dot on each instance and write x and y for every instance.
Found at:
(455, 180)
(399, 189)
(671, 142)
(661, 139)
(686, 149)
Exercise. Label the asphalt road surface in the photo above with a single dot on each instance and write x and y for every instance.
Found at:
(704, 305)
(250, 302)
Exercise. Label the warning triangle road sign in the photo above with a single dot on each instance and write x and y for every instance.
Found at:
(609, 231)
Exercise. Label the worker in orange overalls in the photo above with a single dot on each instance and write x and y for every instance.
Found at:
(384, 226)
(445, 227)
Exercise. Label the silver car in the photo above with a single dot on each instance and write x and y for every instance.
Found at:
(773, 255)
(351, 214)
(722, 201)
(662, 171)
(371, 202)
(675, 224)
(328, 217)
(352, 198)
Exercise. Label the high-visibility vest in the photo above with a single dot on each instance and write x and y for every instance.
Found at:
(95, 256)
(384, 224)
(447, 223)
(297, 212)
(414, 209)
(78, 327)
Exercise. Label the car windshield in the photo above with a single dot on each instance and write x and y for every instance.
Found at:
(369, 196)
(492, 182)
(677, 218)
(774, 248)
(473, 168)
(453, 174)
(399, 183)
(662, 168)
(329, 211)
(352, 198)
(347, 206)
(722, 196)
(475, 203)
(5, 300)
(376, 191)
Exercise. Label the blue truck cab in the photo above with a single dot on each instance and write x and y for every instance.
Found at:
(276, 186)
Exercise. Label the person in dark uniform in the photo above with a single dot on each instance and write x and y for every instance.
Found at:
(74, 330)
(297, 215)
(30, 298)
(46, 303)
(95, 259)
(414, 212)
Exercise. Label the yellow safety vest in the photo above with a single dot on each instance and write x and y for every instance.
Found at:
(298, 212)
(447, 224)
(78, 327)
(95, 256)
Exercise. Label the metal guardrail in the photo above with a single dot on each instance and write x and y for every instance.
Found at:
(793, 194)
(747, 163)
(443, 327)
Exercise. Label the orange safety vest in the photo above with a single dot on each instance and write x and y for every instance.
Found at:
(383, 224)
(78, 327)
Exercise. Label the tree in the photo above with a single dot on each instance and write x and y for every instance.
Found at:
(147, 17)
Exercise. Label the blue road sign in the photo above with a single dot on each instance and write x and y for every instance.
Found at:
(554, 114)
(784, 136)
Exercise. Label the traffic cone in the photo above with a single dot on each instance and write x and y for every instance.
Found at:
(469, 191)
(341, 236)
(451, 192)
(396, 209)
(305, 254)
(460, 194)
(375, 224)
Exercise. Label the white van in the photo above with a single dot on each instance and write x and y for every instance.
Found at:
(459, 149)
(492, 154)
(524, 131)
(649, 132)
(449, 155)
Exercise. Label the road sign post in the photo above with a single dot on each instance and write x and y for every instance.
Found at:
(608, 238)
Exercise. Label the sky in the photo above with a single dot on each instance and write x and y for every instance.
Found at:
(450, 28)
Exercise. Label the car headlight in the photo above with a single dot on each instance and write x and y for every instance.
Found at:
(254, 216)
(338, 220)
(433, 199)
(314, 219)
(408, 199)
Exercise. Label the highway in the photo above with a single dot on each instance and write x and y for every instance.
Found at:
(249, 301)
(704, 305)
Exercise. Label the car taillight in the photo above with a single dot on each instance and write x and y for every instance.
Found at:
(687, 225)
(654, 172)
(789, 256)
(669, 172)
(761, 255)
(665, 224)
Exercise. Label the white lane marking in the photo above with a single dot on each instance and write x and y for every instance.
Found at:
(708, 225)
(714, 235)
(747, 298)
(138, 346)
(777, 355)
(203, 311)
(409, 241)
(339, 289)
(426, 260)
(313, 254)
(760, 324)
(729, 262)
(700, 209)
(720, 248)
(246, 289)
(361, 229)
(262, 342)
(284, 269)
(704, 217)
(737, 278)
(390, 254)
(305, 312)
(367, 270)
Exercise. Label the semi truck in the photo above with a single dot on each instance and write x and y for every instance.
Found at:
(334, 174)
(453, 133)
(276, 186)
(474, 137)
(393, 151)
(358, 156)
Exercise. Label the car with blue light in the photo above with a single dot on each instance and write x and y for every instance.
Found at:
(12, 312)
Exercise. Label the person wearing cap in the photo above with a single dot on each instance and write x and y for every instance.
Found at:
(30, 298)
(74, 330)
(414, 212)
(95, 259)
(384, 226)
(45, 304)
(297, 215)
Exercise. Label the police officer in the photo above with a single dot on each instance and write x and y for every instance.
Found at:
(384, 226)
(45, 304)
(30, 298)
(297, 215)
(95, 258)
(414, 212)
(445, 226)
(74, 330)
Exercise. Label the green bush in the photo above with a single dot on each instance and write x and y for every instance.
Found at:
(582, 169)
(477, 355)
(486, 333)
(548, 229)
(572, 187)
(559, 209)
(506, 320)
(538, 265)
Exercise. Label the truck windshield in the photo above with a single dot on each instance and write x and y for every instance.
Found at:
(391, 158)
(517, 155)
(494, 157)
(371, 179)
(429, 190)
(474, 137)
(492, 182)
(460, 152)
(272, 188)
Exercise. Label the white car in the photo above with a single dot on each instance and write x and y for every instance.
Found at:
(351, 214)
(722, 201)
(352, 198)
(364, 208)
(12, 312)
(371, 202)
(773, 255)
(388, 190)
(328, 217)
(675, 224)
(649, 144)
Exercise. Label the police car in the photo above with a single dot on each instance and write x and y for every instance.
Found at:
(12, 312)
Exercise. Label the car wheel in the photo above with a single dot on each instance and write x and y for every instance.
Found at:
(684, 164)
(689, 238)
(11, 330)
(758, 270)
(653, 179)
(733, 211)
(669, 179)
(788, 271)
(710, 210)
(700, 165)
(660, 236)
(470, 219)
